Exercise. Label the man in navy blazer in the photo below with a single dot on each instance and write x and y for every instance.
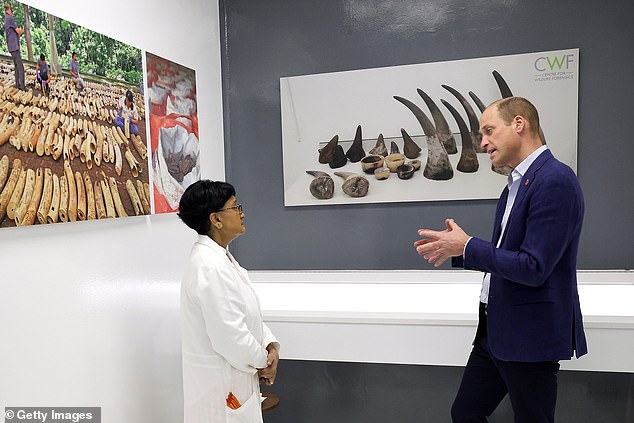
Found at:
(530, 316)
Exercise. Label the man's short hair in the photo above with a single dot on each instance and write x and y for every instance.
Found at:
(510, 107)
(42, 57)
(7, 6)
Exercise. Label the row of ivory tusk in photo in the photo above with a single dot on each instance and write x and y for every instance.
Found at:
(29, 194)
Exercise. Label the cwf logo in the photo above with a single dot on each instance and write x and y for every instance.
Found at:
(552, 63)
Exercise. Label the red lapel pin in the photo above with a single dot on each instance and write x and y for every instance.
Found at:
(526, 182)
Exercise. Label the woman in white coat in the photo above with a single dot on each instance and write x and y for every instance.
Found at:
(226, 345)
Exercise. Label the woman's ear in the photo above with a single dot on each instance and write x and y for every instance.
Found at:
(215, 220)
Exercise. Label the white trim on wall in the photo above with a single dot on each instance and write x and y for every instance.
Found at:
(423, 317)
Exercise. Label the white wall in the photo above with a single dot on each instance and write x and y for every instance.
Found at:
(89, 310)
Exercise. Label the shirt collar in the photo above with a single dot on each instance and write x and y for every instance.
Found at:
(521, 169)
(206, 240)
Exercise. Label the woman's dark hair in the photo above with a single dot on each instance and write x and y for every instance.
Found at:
(42, 57)
(128, 95)
(201, 199)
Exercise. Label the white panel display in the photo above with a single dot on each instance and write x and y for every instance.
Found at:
(369, 104)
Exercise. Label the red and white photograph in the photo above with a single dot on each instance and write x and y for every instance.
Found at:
(173, 116)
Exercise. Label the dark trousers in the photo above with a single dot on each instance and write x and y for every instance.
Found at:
(18, 70)
(531, 386)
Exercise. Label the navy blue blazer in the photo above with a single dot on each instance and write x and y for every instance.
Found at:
(533, 310)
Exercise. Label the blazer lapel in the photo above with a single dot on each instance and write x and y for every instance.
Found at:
(525, 183)
(529, 177)
(499, 213)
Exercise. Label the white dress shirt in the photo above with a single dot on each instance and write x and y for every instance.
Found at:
(513, 182)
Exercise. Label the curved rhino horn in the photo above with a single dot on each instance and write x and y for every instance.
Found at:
(425, 123)
(477, 101)
(468, 158)
(438, 166)
(410, 148)
(317, 173)
(476, 136)
(345, 175)
(462, 126)
(442, 127)
(505, 91)
(473, 120)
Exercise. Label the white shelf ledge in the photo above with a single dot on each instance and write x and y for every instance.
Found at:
(311, 311)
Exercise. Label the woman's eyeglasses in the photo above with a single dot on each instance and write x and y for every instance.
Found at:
(237, 207)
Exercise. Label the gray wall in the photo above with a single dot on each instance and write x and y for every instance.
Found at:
(331, 392)
(266, 40)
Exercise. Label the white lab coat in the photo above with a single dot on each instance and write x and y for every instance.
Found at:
(223, 336)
